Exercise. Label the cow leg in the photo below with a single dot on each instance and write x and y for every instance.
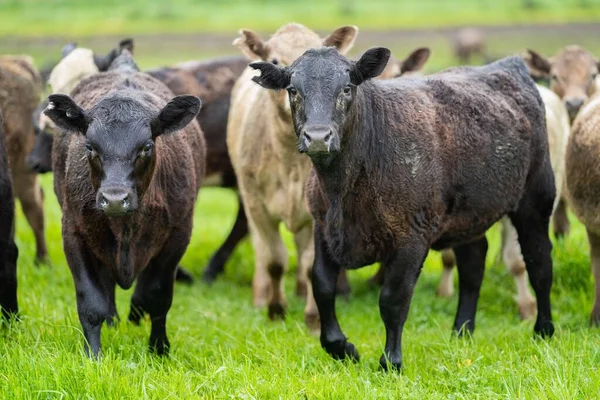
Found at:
(513, 261)
(401, 274)
(470, 259)
(531, 221)
(29, 192)
(91, 287)
(594, 240)
(446, 287)
(325, 274)
(560, 220)
(8, 277)
(113, 316)
(216, 265)
(306, 256)
(270, 255)
(183, 275)
(154, 289)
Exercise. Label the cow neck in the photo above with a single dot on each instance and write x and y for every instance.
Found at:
(339, 174)
(285, 136)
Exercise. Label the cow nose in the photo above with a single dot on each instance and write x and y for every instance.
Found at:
(116, 201)
(33, 163)
(573, 106)
(317, 139)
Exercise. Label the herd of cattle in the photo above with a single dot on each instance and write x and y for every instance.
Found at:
(361, 163)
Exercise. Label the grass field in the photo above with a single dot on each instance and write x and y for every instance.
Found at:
(87, 18)
(224, 348)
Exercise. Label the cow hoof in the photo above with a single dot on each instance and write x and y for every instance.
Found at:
(301, 289)
(544, 330)
(314, 323)
(342, 350)
(388, 365)
(276, 311)
(444, 291)
(160, 347)
(42, 261)
(528, 309)
(183, 276)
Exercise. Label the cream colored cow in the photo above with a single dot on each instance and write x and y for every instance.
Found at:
(271, 173)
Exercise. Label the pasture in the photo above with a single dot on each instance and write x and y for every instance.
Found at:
(221, 346)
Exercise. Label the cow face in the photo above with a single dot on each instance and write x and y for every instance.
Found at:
(322, 86)
(120, 145)
(572, 74)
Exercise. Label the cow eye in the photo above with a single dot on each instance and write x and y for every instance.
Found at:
(292, 90)
(594, 76)
(148, 147)
(89, 147)
(274, 61)
(348, 89)
(554, 77)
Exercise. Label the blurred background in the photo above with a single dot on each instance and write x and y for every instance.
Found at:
(170, 31)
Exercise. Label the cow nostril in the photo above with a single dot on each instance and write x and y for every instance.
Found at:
(328, 137)
(126, 202)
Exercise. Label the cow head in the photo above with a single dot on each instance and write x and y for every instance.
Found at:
(121, 132)
(322, 86)
(572, 74)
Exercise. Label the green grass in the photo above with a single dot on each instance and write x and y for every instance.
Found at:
(86, 18)
(222, 347)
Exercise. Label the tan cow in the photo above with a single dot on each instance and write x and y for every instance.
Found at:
(583, 183)
(271, 174)
(572, 73)
(557, 123)
(21, 86)
(411, 65)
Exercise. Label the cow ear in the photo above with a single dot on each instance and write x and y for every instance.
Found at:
(415, 60)
(370, 65)
(126, 44)
(539, 66)
(66, 114)
(176, 115)
(103, 62)
(342, 38)
(252, 45)
(67, 49)
(271, 75)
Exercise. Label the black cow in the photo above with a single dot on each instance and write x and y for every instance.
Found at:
(405, 165)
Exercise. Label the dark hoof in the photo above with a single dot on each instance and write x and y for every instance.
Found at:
(464, 330)
(113, 321)
(544, 330)
(276, 311)
(42, 261)
(390, 366)
(313, 322)
(135, 314)
(301, 290)
(211, 274)
(160, 347)
(183, 276)
(341, 350)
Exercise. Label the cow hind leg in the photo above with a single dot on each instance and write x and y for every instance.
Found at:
(513, 261)
(8, 278)
(446, 287)
(216, 265)
(306, 256)
(594, 240)
(470, 260)
(29, 192)
(531, 221)
(560, 220)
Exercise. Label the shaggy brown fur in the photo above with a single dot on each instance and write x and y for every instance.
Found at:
(8, 248)
(271, 175)
(20, 90)
(583, 184)
(147, 244)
